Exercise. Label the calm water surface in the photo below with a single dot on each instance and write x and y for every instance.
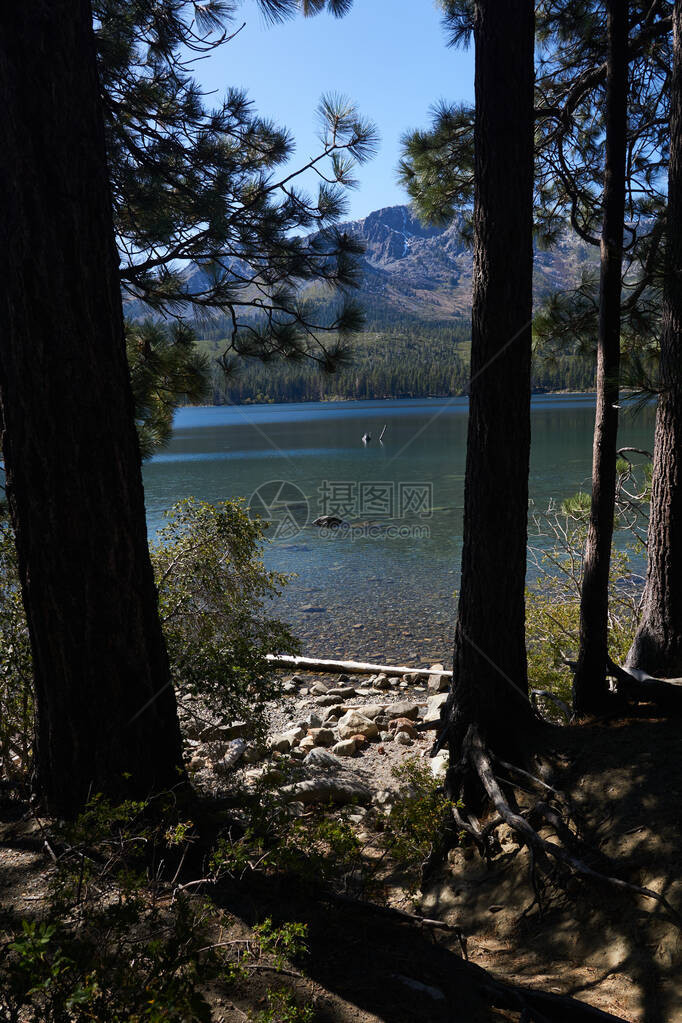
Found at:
(385, 592)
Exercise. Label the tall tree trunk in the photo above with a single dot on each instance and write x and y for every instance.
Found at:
(589, 686)
(106, 713)
(490, 684)
(657, 647)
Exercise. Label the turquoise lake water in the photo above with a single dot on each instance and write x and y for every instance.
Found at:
(383, 589)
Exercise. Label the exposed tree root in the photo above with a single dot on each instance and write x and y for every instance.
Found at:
(554, 860)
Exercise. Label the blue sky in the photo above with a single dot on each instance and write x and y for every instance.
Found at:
(389, 56)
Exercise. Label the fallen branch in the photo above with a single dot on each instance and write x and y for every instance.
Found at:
(349, 667)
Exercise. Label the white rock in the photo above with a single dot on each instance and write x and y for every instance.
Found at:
(380, 682)
(372, 710)
(334, 712)
(403, 739)
(345, 748)
(342, 693)
(353, 723)
(280, 743)
(321, 737)
(253, 754)
(403, 710)
(433, 706)
(438, 683)
(439, 765)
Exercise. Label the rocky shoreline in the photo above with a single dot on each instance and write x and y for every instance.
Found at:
(331, 741)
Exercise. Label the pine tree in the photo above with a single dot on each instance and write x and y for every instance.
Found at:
(490, 685)
(657, 647)
(589, 684)
(106, 714)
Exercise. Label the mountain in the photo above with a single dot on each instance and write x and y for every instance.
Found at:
(419, 275)
(413, 271)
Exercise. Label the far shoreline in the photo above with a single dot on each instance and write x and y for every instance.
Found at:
(385, 397)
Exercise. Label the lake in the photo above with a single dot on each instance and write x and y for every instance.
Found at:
(382, 589)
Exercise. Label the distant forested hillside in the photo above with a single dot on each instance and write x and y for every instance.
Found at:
(404, 359)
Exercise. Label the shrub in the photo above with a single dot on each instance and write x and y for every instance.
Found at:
(553, 604)
(419, 818)
(213, 598)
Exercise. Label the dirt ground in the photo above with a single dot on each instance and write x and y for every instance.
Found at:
(616, 952)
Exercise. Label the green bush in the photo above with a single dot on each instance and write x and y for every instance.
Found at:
(213, 601)
(553, 606)
(419, 817)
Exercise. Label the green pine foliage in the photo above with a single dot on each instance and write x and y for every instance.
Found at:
(166, 368)
(208, 214)
(437, 165)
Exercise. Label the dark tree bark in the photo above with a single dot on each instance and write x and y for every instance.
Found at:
(590, 686)
(657, 647)
(490, 684)
(106, 713)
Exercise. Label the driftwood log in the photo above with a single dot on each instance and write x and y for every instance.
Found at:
(349, 667)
